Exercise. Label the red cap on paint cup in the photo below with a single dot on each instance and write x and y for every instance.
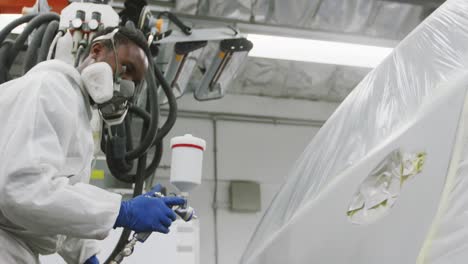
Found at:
(188, 141)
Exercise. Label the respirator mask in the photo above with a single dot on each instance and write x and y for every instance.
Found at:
(106, 88)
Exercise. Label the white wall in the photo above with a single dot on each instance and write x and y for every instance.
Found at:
(262, 152)
(258, 152)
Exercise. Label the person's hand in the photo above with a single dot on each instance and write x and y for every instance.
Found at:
(158, 188)
(146, 213)
(92, 260)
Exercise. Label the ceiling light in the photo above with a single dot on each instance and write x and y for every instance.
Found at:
(318, 51)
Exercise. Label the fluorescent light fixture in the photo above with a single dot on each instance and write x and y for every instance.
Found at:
(6, 19)
(318, 51)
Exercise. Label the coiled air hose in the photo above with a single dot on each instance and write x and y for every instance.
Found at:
(121, 167)
(47, 40)
(144, 172)
(45, 25)
(30, 58)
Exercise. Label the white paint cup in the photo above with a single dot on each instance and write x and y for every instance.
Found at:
(187, 160)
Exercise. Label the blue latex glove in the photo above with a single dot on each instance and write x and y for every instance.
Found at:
(146, 213)
(92, 260)
(157, 188)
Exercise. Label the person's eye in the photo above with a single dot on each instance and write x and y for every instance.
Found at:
(130, 68)
(124, 69)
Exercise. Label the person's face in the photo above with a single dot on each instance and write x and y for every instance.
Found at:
(129, 55)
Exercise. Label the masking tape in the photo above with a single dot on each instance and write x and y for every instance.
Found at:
(97, 175)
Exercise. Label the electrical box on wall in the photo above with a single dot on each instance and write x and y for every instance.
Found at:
(245, 196)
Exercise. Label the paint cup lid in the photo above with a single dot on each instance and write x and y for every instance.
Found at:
(188, 141)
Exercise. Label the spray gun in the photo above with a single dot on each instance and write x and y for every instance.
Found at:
(186, 172)
(185, 212)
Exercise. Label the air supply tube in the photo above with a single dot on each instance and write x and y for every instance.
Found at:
(151, 138)
(120, 166)
(10, 48)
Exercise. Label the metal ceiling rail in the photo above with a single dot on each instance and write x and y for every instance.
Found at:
(259, 119)
(289, 31)
(426, 3)
(276, 30)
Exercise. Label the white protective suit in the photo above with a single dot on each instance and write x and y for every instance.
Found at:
(46, 153)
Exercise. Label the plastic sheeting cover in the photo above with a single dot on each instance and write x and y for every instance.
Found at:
(297, 80)
(375, 18)
(383, 102)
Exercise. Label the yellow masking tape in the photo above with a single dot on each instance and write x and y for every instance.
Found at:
(159, 24)
(221, 54)
(179, 57)
(97, 175)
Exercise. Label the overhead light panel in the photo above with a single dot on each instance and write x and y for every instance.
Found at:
(223, 69)
(181, 66)
(318, 51)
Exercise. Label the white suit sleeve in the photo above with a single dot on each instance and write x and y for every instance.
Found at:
(75, 250)
(33, 194)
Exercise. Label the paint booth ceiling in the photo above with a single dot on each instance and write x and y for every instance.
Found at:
(381, 19)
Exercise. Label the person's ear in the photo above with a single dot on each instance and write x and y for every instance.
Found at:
(97, 50)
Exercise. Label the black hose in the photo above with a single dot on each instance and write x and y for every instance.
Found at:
(139, 112)
(128, 132)
(132, 109)
(118, 169)
(156, 160)
(123, 240)
(171, 118)
(4, 50)
(31, 53)
(165, 128)
(140, 179)
(163, 131)
(138, 189)
(170, 121)
(49, 36)
(116, 148)
(19, 42)
(130, 178)
(150, 137)
(7, 30)
(4, 67)
(118, 165)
